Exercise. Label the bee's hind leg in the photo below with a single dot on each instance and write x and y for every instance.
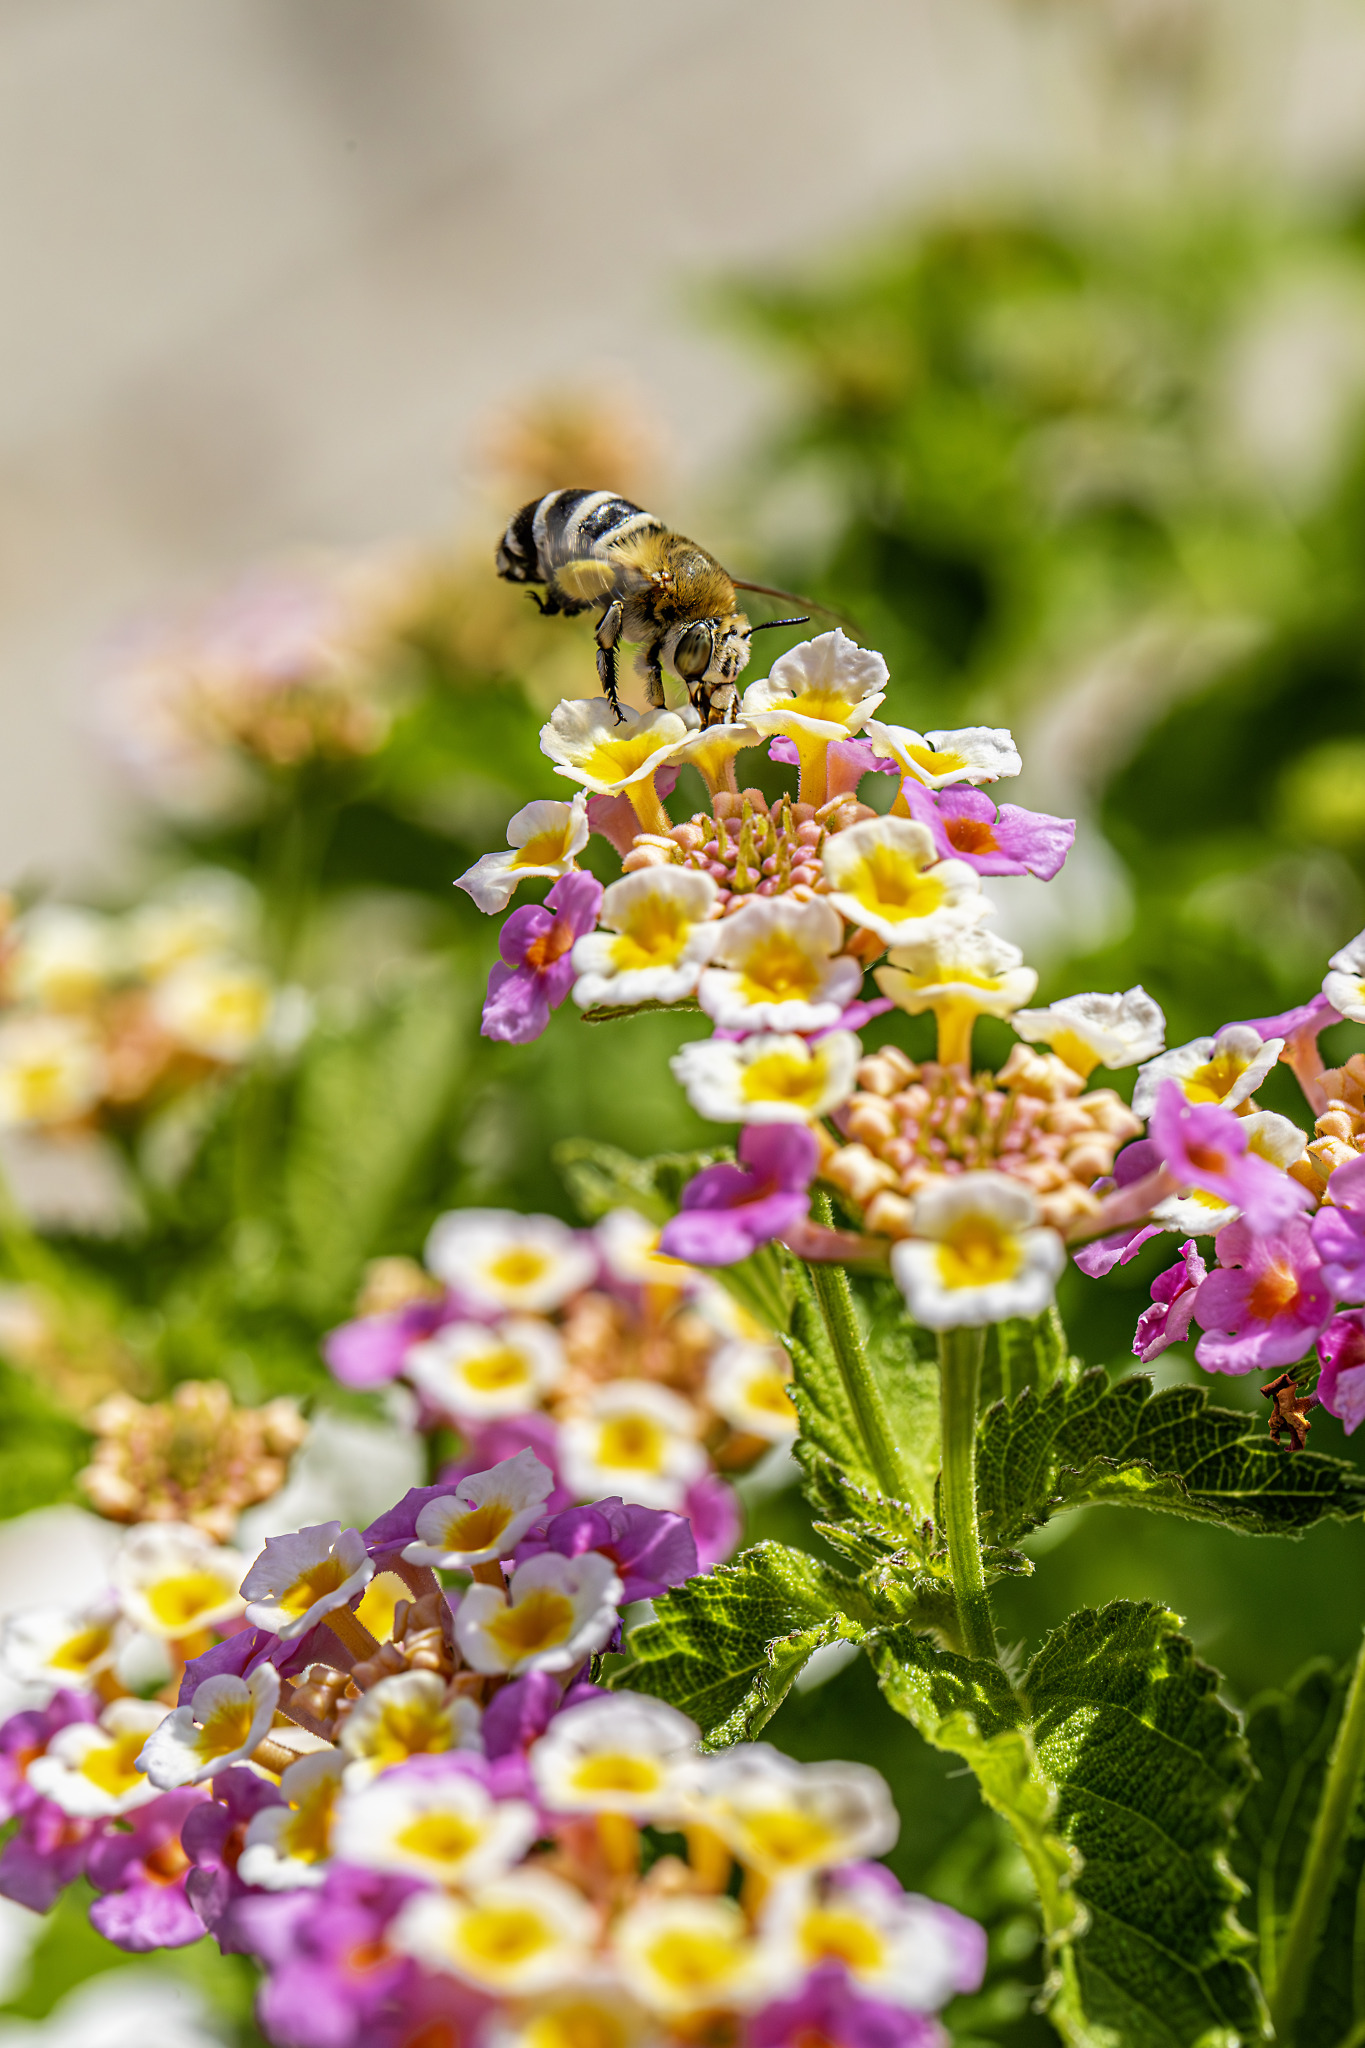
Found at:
(608, 634)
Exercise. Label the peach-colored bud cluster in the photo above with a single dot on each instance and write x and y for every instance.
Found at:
(909, 1124)
(196, 1458)
(1339, 1133)
(749, 849)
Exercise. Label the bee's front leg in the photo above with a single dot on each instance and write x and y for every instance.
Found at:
(654, 675)
(608, 633)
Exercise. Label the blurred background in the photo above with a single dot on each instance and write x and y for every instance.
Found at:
(1031, 333)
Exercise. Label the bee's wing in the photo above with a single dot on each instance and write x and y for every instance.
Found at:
(793, 597)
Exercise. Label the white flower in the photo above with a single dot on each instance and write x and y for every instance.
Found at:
(302, 1577)
(206, 910)
(403, 1716)
(52, 1070)
(633, 1438)
(543, 838)
(894, 1945)
(616, 1755)
(227, 1718)
(500, 1260)
(91, 1771)
(968, 753)
(685, 1955)
(824, 689)
(1195, 1213)
(55, 1646)
(217, 1008)
(784, 1818)
(629, 1244)
(172, 1580)
(1098, 1030)
(768, 1079)
(469, 1369)
(483, 1516)
(964, 966)
(977, 1254)
(885, 874)
(1226, 1070)
(588, 743)
(523, 1933)
(63, 956)
(774, 967)
(749, 1385)
(446, 1828)
(556, 1611)
(659, 934)
(288, 1846)
(1344, 983)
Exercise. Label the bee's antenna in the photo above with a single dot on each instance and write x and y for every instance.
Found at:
(766, 625)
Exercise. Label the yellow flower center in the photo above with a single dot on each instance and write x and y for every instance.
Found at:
(580, 2024)
(977, 1253)
(933, 762)
(477, 1527)
(179, 1601)
(1215, 1079)
(620, 1773)
(80, 1651)
(490, 1371)
(42, 1088)
(788, 1837)
(841, 1937)
(379, 1603)
(307, 1833)
(439, 1837)
(538, 1621)
(633, 1442)
(770, 1394)
(616, 760)
(315, 1583)
(522, 1266)
(543, 849)
(500, 1937)
(779, 969)
(655, 937)
(1078, 1053)
(893, 885)
(113, 1767)
(785, 1077)
(692, 1961)
(831, 705)
(409, 1728)
(226, 1729)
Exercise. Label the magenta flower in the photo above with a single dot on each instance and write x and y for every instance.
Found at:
(1133, 1164)
(25, 1736)
(995, 841)
(651, 1548)
(729, 1211)
(1265, 1304)
(519, 1715)
(846, 763)
(713, 1509)
(332, 1974)
(239, 1654)
(45, 1854)
(1341, 1384)
(1339, 1233)
(827, 2009)
(1174, 1293)
(1205, 1147)
(536, 973)
(501, 1439)
(370, 1351)
(141, 1874)
(212, 1837)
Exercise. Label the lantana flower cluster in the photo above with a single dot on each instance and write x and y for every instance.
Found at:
(104, 1019)
(196, 1457)
(419, 1814)
(627, 1372)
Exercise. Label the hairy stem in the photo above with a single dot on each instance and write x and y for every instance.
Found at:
(1322, 1864)
(835, 1298)
(959, 1357)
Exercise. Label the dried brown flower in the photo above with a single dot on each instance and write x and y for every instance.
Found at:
(195, 1458)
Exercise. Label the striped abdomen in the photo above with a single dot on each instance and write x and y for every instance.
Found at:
(567, 526)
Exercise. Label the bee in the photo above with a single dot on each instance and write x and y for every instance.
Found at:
(595, 551)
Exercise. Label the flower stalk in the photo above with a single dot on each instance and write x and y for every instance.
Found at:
(1322, 1864)
(960, 1353)
(835, 1297)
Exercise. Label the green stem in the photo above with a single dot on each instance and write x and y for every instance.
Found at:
(959, 1356)
(1322, 1864)
(835, 1298)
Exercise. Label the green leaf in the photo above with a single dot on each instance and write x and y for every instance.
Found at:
(1290, 1734)
(1149, 1767)
(726, 1647)
(602, 1177)
(1025, 1352)
(372, 1100)
(1087, 1440)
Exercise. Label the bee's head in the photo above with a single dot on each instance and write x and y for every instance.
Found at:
(708, 654)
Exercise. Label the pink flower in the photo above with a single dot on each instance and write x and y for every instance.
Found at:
(141, 1873)
(1006, 841)
(1133, 1164)
(212, 1837)
(1339, 1233)
(369, 1351)
(1205, 1147)
(536, 973)
(826, 2008)
(729, 1211)
(1299, 1029)
(846, 763)
(1266, 1303)
(615, 817)
(1167, 1321)
(1341, 1385)
(651, 1548)
(713, 1509)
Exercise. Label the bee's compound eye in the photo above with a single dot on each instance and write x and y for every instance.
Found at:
(692, 655)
